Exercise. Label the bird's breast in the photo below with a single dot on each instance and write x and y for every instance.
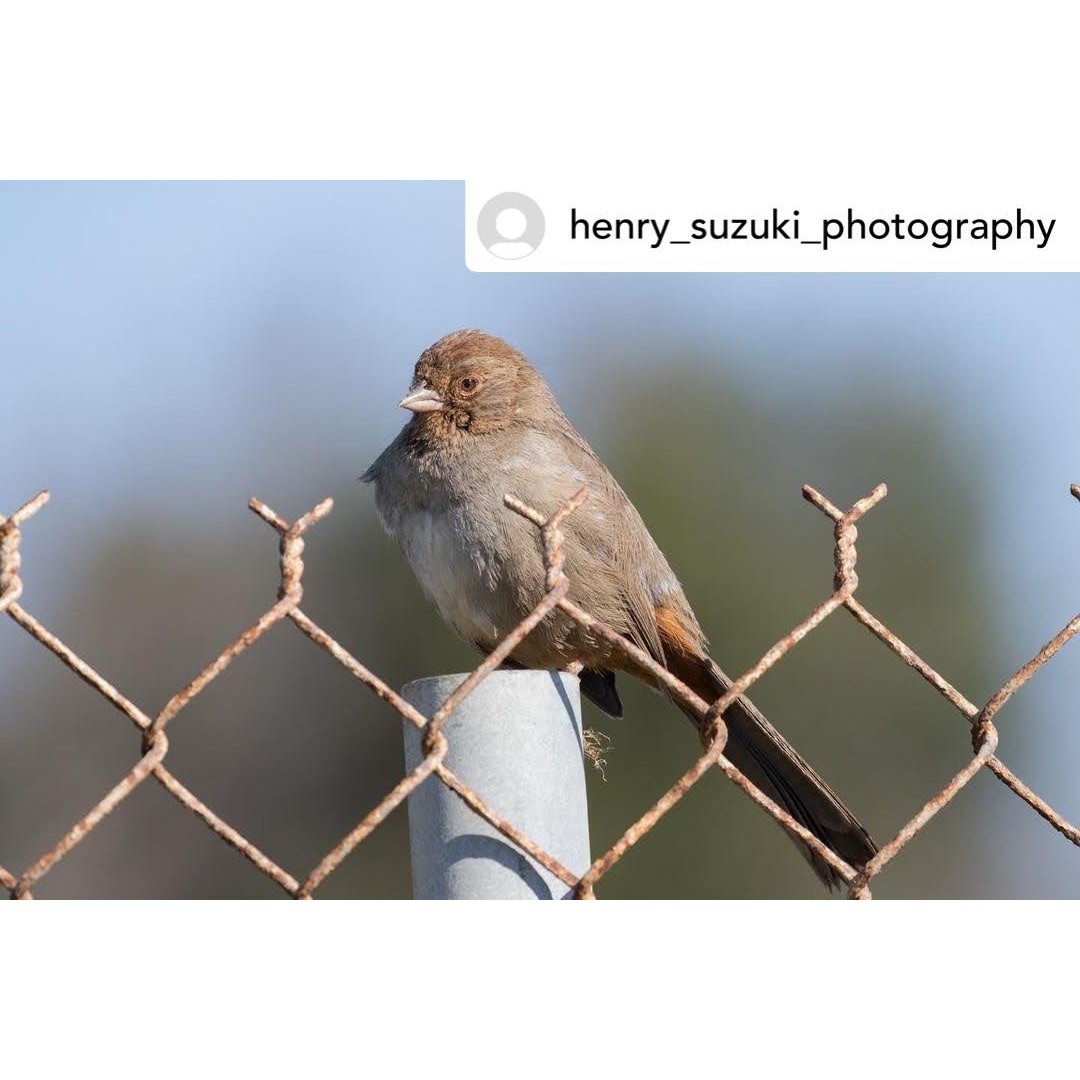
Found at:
(458, 567)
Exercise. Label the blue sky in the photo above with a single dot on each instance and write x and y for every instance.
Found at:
(148, 330)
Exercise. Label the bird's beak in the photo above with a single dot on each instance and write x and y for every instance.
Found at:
(422, 399)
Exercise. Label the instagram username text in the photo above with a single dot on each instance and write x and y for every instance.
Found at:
(938, 232)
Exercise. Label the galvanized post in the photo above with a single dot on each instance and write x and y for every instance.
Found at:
(516, 740)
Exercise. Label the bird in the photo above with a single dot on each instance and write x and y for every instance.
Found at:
(484, 425)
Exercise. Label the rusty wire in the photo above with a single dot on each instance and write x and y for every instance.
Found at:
(155, 745)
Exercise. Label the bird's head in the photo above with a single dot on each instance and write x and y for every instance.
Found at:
(469, 382)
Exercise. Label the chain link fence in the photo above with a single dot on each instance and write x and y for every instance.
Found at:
(155, 743)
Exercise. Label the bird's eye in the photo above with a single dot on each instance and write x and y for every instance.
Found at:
(469, 384)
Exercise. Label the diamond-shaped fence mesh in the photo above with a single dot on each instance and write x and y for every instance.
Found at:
(155, 743)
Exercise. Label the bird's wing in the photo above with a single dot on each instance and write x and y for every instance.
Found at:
(610, 528)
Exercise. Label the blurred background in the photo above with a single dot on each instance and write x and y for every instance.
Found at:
(169, 350)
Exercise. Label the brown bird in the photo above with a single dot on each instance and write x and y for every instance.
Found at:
(485, 424)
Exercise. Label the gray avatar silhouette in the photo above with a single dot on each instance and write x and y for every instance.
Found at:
(510, 225)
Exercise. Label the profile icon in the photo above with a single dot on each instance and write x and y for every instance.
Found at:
(510, 225)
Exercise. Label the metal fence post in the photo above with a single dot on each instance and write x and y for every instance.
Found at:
(516, 740)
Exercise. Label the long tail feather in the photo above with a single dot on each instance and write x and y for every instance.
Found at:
(757, 749)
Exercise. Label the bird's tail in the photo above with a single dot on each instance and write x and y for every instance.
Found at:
(759, 751)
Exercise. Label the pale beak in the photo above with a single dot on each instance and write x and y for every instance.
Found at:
(423, 399)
